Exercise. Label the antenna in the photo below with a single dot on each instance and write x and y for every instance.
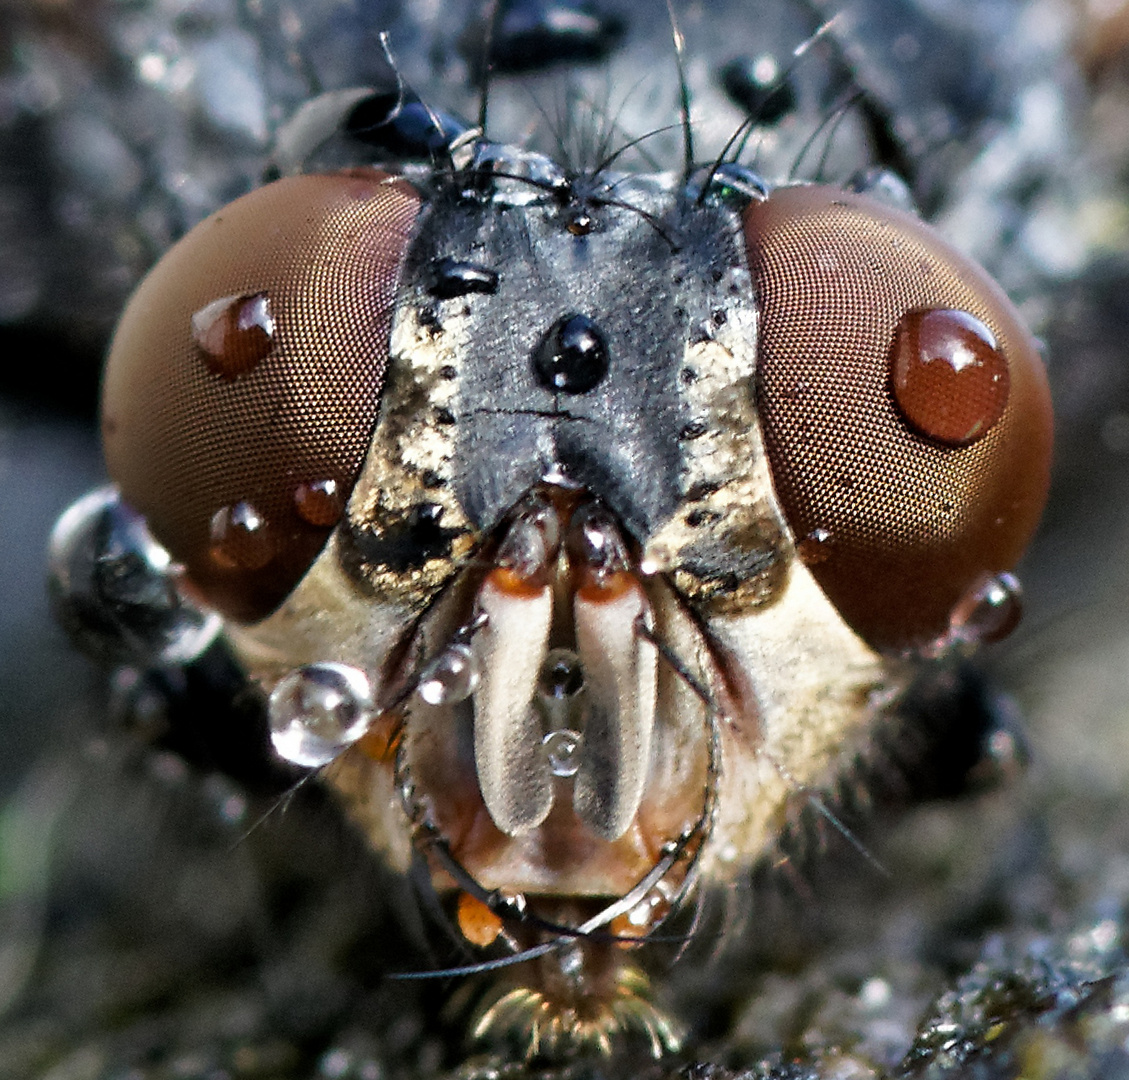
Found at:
(490, 22)
(683, 94)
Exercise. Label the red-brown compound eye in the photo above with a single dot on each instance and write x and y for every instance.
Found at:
(905, 409)
(244, 379)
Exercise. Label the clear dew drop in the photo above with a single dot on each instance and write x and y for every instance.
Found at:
(318, 711)
(989, 611)
(562, 749)
(115, 589)
(451, 677)
(234, 333)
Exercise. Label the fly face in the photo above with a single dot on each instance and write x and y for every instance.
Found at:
(574, 524)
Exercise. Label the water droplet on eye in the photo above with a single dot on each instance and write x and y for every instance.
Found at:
(241, 538)
(561, 674)
(573, 356)
(318, 711)
(562, 750)
(949, 376)
(989, 611)
(814, 548)
(234, 333)
(319, 502)
(451, 677)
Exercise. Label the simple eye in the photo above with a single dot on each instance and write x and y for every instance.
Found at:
(244, 379)
(905, 409)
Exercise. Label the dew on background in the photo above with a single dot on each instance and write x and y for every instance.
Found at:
(318, 711)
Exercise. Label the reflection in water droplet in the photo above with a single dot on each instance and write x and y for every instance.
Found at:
(949, 377)
(241, 538)
(317, 711)
(451, 677)
(562, 749)
(561, 674)
(988, 612)
(319, 502)
(234, 333)
(814, 548)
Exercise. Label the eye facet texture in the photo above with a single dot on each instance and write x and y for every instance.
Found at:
(906, 413)
(244, 379)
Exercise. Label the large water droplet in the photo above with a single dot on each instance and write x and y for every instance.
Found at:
(949, 376)
(989, 611)
(319, 502)
(318, 711)
(562, 749)
(241, 538)
(234, 333)
(451, 677)
(573, 356)
(114, 588)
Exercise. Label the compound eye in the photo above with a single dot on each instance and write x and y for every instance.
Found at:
(244, 379)
(905, 410)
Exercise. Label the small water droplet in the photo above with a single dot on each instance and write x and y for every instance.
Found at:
(561, 674)
(319, 710)
(241, 538)
(319, 502)
(572, 357)
(453, 278)
(595, 543)
(234, 333)
(580, 223)
(451, 677)
(814, 548)
(989, 611)
(949, 376)
(562, 749)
